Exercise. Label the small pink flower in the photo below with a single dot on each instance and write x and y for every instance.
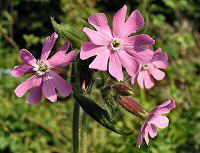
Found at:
(155, 119)
(151, 68)
(44, 79)
(116, 48)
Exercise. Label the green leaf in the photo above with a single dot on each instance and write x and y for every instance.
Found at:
(97, 113)
(67, 32)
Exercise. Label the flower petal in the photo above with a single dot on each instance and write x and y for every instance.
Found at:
(141, 134)
(131, 65)
(36, 91)
(65, 47)
(21, 70)
(144, 78)
(134, 23)
(159, 120)
(96, 37)
(99, 21)
(118, 22)
(138, 41)
(146, 135)
(133, 79)
(165, 108)
(61, 59)
(25, 86)
(140, 79)
(143, 56)
(148, 81)
(48, 45)
(27, 57)
(115, 66)
(89, 49)
(49, 89)
(160, 59)
(152, 130)
(156, 73)
(101, 61)
(63, 87)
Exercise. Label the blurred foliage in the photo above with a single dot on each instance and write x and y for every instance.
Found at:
(46, 128)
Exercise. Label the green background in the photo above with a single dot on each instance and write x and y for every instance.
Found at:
(46, 128)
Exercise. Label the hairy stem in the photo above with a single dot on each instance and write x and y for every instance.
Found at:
(75, 128)
(84, 133)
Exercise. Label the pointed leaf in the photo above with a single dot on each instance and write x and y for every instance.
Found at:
(67, 32)
(97, 113)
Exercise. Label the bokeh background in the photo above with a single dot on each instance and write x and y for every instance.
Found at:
(46, 128)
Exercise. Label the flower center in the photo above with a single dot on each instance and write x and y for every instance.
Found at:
(116, 44)
(146, 66)
(41, 68)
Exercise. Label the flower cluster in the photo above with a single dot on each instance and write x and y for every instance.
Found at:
(112, 50)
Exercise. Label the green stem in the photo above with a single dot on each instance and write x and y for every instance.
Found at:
(143, 95)
(84, 133)
(75, 128)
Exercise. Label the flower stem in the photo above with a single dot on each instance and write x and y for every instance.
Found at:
(75, 128)
(143, 95)
(84, 133)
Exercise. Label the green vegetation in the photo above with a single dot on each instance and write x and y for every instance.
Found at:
(46, 128)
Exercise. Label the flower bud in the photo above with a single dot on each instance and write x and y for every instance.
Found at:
(122, 89)
(132, 106)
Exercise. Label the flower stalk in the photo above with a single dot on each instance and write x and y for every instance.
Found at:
(75, 128)
(84, 133)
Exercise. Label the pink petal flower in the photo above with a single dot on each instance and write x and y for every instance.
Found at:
(19, 71)
(27, 57)
(150, 69)
(115, 66)
(104, 43)
(44, 79)
(154, 120)
(99, 21)
(48, 45)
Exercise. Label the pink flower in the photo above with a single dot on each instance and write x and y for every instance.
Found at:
(44, 78)
(116, 48)
(151, 69)
(155, 119)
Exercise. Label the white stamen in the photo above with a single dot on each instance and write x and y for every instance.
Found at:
(116, 44)
(41, 68)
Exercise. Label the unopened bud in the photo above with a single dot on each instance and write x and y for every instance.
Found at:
(132, 106)
(122, 89)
